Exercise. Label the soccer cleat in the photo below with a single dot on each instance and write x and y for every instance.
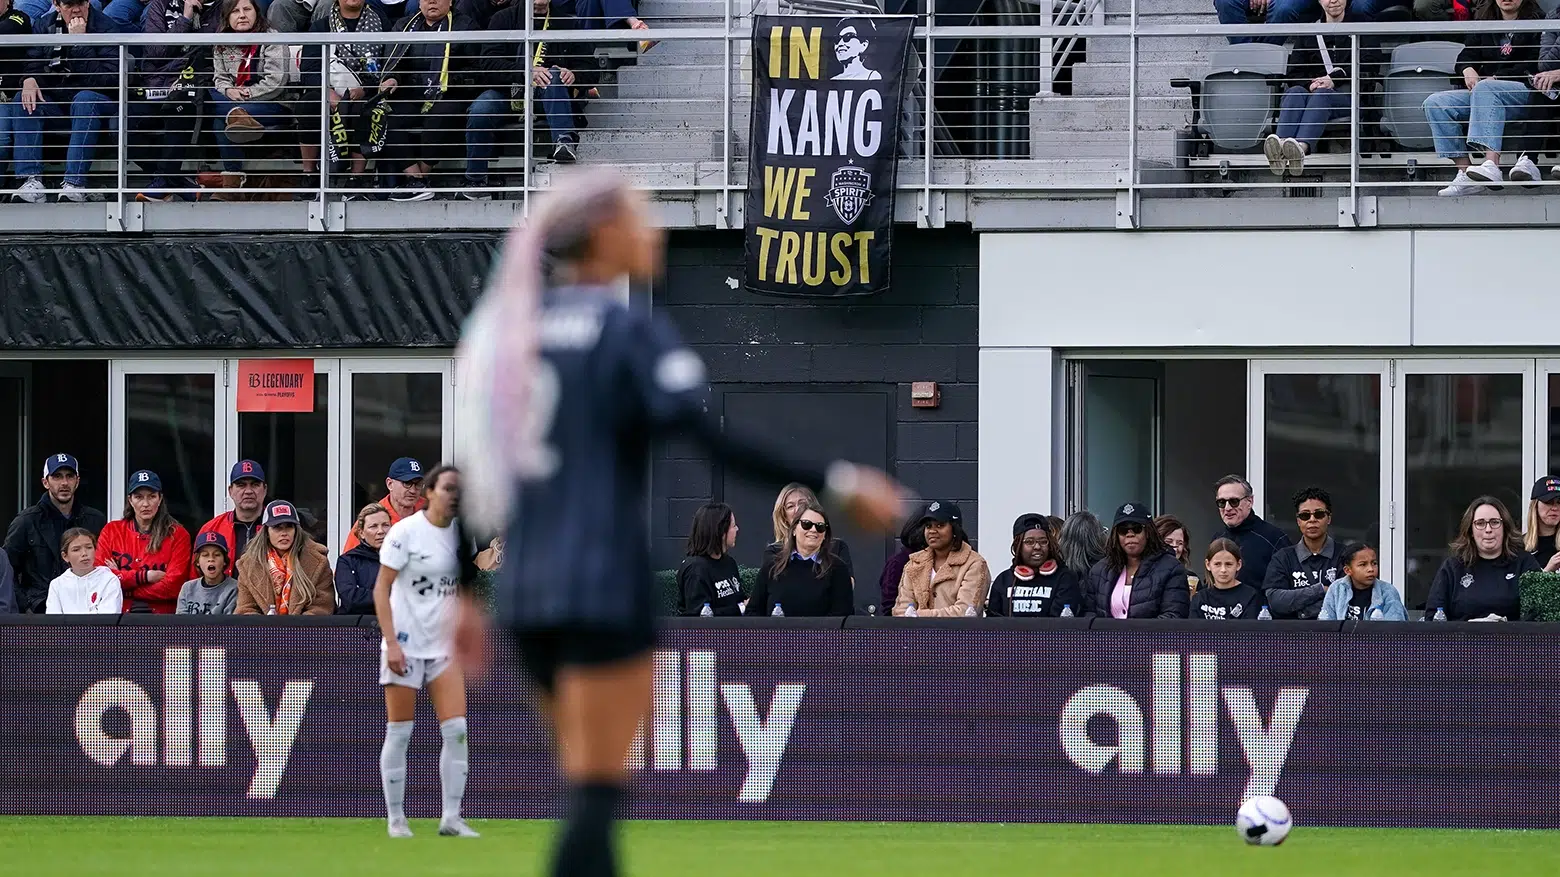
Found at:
(455, 827)
(399, 828)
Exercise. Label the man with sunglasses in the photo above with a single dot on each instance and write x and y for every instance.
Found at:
(1298, 578)
(1258, 539)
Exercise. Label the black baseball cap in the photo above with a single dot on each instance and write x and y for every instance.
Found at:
(280, 511)
(1134, 512)
(944, 512)
(1028, 522)
(1546, 489)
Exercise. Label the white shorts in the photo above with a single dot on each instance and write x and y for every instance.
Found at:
(419, 671)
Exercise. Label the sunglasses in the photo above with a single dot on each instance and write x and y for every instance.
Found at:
(1229, 503)
(1130, 529)
(810, 526)
(1319, 514)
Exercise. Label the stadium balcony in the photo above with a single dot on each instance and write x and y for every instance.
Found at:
(1047, 114)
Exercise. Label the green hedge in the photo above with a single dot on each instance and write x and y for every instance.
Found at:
(665, 586)
(1540, 596)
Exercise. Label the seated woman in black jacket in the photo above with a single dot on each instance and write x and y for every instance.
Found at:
(1139, 577)
(708, 575)
(1491, 89)
(1318, 93)
(805, 577)
(1037, 585)
(1480, 580)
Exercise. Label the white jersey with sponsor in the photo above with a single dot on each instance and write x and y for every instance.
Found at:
(422, 600)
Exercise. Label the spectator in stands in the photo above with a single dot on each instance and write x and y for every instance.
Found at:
(947, 578)
(246, 488)
(299, 16)
(429, 86)
(284, 571)
(166, 103)
(1139, 577)
(85, 587)
(1360, 595)
(1479, 581)
(912, 538)
(1547, 79)
(250, 84)
(7, 586)
(548, 75)
(1318, 93)
(1176, 537)
(32, 542)
(13, 68)
(403, 492)
(1542, 536)
(805, 578)
(612, 15)
(146, 548)
(1299, 575)
(1493, 71)
(481, 12)
(213, 591)
(1258, 540)
(789, 503)
(1082, 540)
(1227, 598)
(358, 568)
(66, 84)
(1036, 585)
(354, 73)
(708, 575)
(1269, 11)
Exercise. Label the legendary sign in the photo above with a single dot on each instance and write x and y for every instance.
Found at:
(276, 385)
(820, 197)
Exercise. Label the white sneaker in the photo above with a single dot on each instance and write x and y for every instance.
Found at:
(455, 827)
(1461, 185)
(74, 193)
(1487, 173)
(32, 192)
(399, 828)
(1294, 156)
(1273, 149)
(1524, 171)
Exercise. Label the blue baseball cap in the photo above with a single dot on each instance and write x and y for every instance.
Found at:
(214, 539)
(55, 462)
(246, 469)
(405, 469)
(280, 511)
(144, 479)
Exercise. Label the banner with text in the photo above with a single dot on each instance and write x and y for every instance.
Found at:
(823, 153)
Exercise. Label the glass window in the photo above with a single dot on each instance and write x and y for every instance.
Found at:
(1463, 439)
(170, 428)
(1120, 422)
(1324, 430)
(292, 449)
(393, 415)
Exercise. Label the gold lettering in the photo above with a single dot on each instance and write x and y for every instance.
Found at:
(837, 244)
(864, 238)
(765, 235)
(798, 210)
(777, 190)
(785, 267)
(776, 51)
(804, 52)
(812, 268)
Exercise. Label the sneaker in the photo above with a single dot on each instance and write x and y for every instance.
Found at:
(1294, 156)
(1487, 173)
(32, 192)
(455, 827)
(1273, 148)
(73, 193)
(1524, 171)
(1461, 185)
(399, 828)
(414, 189)
(242, 127)
(564, 153)
(1554, 172)
(475, 190)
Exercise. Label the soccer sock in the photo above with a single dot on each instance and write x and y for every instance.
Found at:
(585, 850)
(392, 767)
(452, 765)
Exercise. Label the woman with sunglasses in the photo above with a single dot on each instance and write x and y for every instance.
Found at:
(805, 578)
(1479, 581)
(1139, 577)
(1299, 575)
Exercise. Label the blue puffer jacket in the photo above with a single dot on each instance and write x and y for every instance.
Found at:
(356, 572)
(1335, 606)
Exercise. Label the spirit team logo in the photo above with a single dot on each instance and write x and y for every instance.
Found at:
(850, 191)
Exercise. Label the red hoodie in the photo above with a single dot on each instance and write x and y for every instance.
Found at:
(129, 551)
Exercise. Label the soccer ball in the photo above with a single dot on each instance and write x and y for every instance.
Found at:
(1263, 821)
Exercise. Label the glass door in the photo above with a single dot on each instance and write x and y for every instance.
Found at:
(169, 416)
(1465, 428)
(1323, 423)
(1116, 434)
(396, 408)
(17, 490)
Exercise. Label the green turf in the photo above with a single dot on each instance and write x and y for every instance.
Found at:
(66, 847)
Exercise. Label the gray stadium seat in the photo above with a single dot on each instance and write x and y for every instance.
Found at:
(1416, 71)
(1236, 100)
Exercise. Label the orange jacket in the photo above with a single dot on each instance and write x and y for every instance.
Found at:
(352, 538)
(225, 524)
(129, 552)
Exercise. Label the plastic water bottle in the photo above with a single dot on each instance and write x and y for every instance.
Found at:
(910, 611)
(707, 612)
(1264, 615)
(1066, 610)
(972, 612)
(871, 608)
(778, 613)
(1440, 614)
(1375, 614)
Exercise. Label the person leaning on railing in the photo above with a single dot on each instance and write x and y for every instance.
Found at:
(1492, 76)
(354, 74)
(65, 82)
(165, 96)
(1318, 92)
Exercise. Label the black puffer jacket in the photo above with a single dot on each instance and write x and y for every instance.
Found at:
(1158, 590)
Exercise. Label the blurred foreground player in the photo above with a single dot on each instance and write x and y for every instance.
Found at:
(563, 390)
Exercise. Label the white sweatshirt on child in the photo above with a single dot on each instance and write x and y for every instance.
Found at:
(96, 593)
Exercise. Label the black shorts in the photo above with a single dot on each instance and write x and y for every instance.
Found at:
(543, 651)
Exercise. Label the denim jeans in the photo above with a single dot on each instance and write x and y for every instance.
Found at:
(7, 111)
(87, 113)
(490, 112)
(267, 113)
(1279, 12)
(126, 13)
(1304, 113)
(1485, 110)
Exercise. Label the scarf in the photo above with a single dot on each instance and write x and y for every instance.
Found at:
(246, 67)
(359, 57)
(279, 566)
(518, 91)
(435, 89)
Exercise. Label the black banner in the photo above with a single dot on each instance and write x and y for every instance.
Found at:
(824, 144)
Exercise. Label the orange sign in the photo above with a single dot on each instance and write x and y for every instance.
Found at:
(276, 385)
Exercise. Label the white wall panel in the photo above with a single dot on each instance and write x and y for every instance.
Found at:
(1485, 287)
(1017, 446)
